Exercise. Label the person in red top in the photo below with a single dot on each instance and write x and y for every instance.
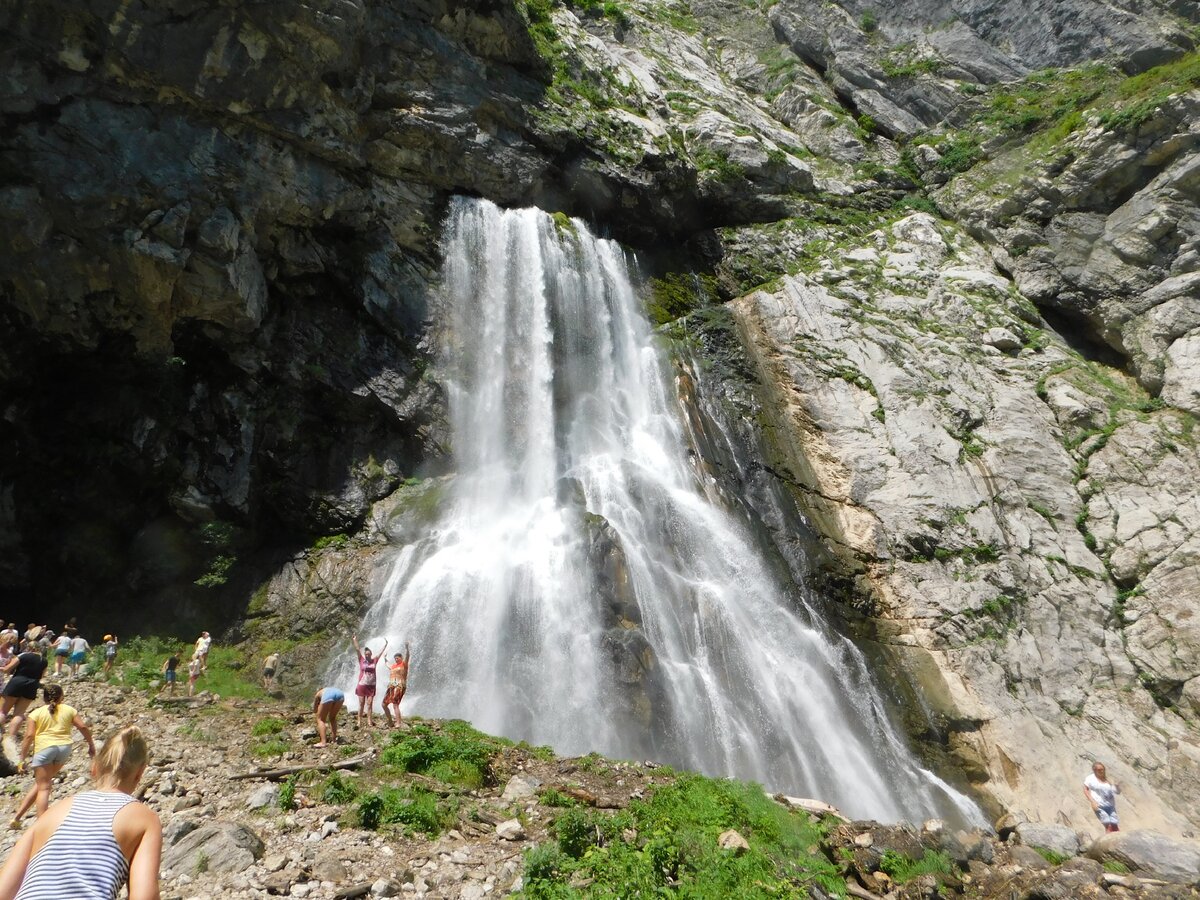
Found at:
(368, 667)
(397, 682)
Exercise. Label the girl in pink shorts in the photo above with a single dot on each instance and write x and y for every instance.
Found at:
(368, 666)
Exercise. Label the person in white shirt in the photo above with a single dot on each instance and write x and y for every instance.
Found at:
(79, 652)
(1102, 795)
(62, 650)
(203, 644)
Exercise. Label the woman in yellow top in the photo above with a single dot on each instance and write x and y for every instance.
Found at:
(48, 736)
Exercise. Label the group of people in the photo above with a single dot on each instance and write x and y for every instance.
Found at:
(68, 648)
(197, 665)
(328, 701)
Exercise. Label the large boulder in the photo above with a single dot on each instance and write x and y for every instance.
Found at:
(1058, 839)
(222, 847)
(1149, 853)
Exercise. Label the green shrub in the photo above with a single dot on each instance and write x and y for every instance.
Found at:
(544, 862)
(417, 809)
(338, 790)
(458, 751)
(676, 852)
(1052, 856)
(869, 21)
(287, 793)
(336, 541)
(575, 832)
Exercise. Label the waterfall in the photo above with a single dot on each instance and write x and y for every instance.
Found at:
(581, 585)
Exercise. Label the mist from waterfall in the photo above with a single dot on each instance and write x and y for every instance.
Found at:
(582, 584)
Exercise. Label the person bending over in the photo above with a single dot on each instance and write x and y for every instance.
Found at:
(87, 846)
(327, 703)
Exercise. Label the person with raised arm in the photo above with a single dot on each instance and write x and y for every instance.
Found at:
(397, 684)
(368, 669)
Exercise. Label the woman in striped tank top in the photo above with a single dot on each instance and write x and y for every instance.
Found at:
(87, 846)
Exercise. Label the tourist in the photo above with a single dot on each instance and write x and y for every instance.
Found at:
(270, 664)
(89, 845)
(203, 645)
(1102, 795)
(62, 650)
(25, 671)
(193, 674)
(368, 667)
(397, 682)
(7, 652)
(48, 739)
(327, 703)
(79, 652)
(170, 664)
(110, 653)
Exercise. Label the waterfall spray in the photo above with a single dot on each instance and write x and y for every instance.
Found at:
(579, 586)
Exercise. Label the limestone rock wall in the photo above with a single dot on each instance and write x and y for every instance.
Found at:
(218, 274)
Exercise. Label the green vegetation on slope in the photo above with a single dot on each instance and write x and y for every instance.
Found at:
(667, 846)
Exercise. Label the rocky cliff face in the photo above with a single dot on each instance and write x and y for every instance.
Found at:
(965, 291)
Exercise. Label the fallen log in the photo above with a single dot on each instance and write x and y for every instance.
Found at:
(275, 774)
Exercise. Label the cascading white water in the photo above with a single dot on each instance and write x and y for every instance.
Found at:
(582, 586)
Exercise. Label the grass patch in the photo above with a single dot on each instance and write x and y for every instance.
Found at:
(457, 754)
(140, 660)
(268, 726)
(275, 746)
(1052, 856)
(675, 852)
(902, 869)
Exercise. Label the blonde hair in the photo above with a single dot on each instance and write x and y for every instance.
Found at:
(122, 754)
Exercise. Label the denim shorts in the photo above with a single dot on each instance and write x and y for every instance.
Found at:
(51, 756)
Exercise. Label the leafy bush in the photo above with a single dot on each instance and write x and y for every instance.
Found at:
(417, 809)
(338, 790)
(676, 850)
(457, 771)
(287, 793)
(575, 832)
(458, 751)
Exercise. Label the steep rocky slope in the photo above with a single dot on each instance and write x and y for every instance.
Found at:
(536, 825)
(966, 291)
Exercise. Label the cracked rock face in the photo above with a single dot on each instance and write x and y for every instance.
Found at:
(218, 262)
(933, 460)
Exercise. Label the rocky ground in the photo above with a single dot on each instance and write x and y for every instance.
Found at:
(231, 837)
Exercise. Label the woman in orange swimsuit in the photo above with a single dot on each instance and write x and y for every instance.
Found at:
(397, 682)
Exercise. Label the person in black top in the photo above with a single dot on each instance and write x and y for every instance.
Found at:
(26, 673)
(169, 674)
